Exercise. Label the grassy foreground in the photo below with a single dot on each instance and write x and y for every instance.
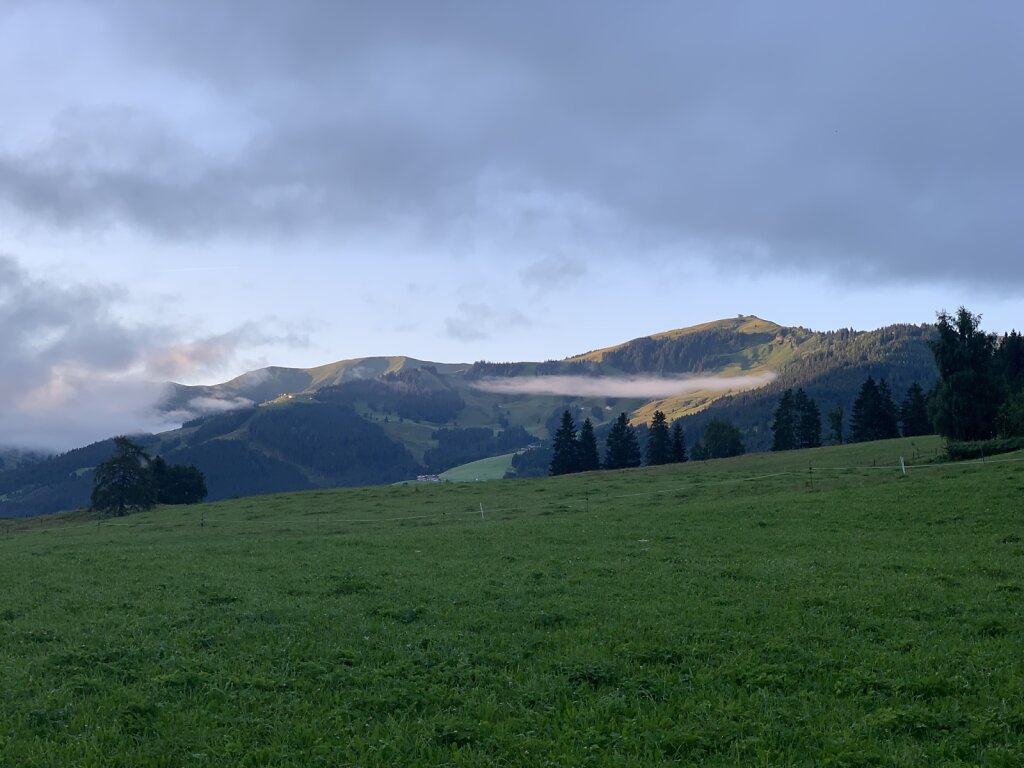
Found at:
(812, 608)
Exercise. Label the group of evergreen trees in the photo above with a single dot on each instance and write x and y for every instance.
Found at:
(877, 417)
(980, 393)
(797, 419)
(797, 422)
(574, 452)
(131, 479)
(722, 439)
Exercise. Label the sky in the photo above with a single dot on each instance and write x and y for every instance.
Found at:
(190, 190)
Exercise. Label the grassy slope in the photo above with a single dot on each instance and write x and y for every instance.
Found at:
(741, 612)
(493, 468)
(755, 360)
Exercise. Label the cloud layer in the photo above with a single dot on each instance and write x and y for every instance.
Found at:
(866, 140)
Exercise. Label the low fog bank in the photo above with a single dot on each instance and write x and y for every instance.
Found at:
(648, 387)
(201, 405)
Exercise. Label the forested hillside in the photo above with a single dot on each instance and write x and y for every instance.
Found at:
(831, 373)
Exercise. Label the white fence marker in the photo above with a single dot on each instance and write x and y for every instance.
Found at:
(903, 466)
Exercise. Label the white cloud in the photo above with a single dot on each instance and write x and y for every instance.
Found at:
(72, 370)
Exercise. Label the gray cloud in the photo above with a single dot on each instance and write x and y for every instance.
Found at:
(867, 140)
(73, 370)
(647, 387)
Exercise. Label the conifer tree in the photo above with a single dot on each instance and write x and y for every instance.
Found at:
(587, 448)
(565, 457)
(797, 422)
(914, 413)
(864, 409)
(659, 441)
(874, 413)
(887, 418)
(622, 449)
(124, 482)
(784, 424)
(808, 421)
(971, 388)
(1010, 360)
(678, 443)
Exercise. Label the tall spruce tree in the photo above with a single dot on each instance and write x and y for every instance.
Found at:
(565, 457)
(797, 422)
(864, 408)
(587, 446)
(1010, 360)
(659, 441)
(874, 413)
(808, 421)
(622, 449)
(971, 388)
(678, 443)
(914, 413)
(124, 482)
(784, 424)
(888, 417)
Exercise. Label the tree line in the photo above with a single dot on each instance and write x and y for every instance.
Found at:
(830, 367)
(979, 395)
(796, 422)
(133, 480)
(574, 451)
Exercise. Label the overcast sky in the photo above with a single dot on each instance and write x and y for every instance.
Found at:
(191, 189)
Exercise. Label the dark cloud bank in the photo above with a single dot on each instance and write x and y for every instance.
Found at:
(872, 140)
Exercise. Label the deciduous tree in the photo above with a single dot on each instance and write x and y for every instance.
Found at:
(177, 483)
(722, 439)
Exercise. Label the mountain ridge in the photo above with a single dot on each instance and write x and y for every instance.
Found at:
(382, 419)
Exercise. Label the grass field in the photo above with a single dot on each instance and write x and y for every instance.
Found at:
(812, 608)
(493, 468)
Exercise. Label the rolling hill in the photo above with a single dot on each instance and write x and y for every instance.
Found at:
(385, 419)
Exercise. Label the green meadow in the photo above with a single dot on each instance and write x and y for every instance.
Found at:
(811, 608)
(493, 468)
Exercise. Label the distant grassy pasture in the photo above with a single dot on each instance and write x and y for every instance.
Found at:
(493, 468)
(812, 608)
